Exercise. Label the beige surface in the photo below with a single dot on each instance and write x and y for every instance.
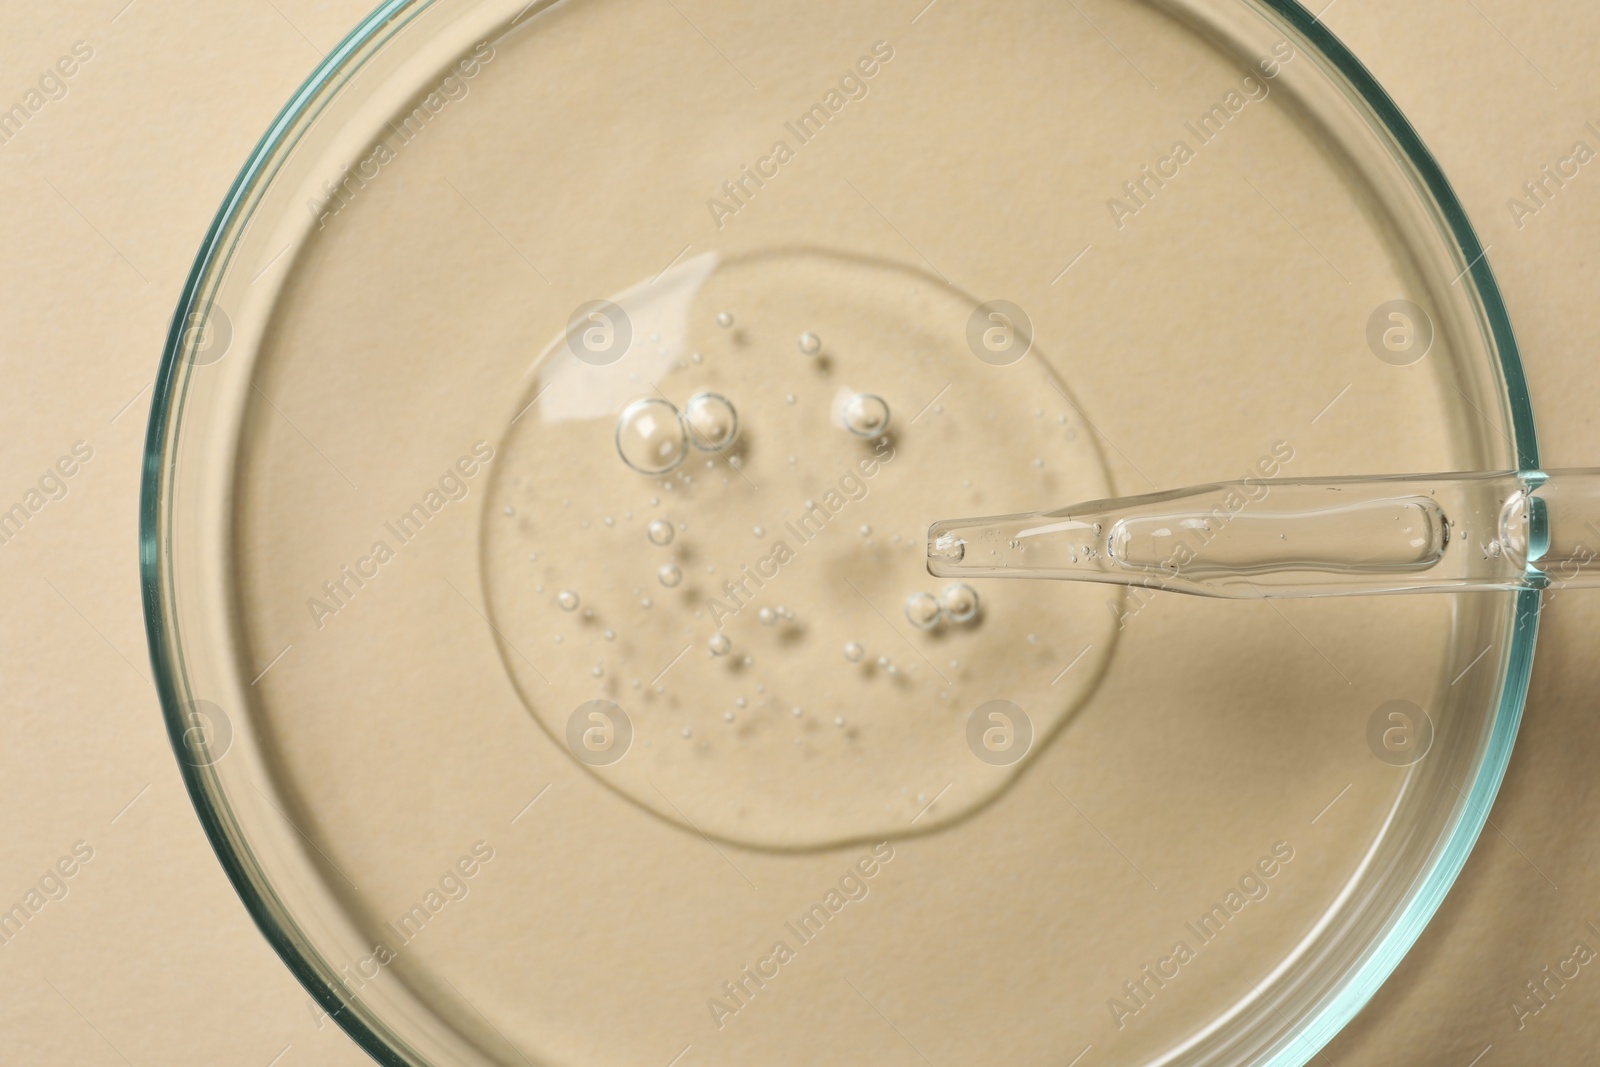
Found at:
(152, 958)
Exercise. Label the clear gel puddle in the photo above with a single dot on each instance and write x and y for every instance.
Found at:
(751, 564)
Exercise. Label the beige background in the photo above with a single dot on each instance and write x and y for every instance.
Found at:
(107, 193)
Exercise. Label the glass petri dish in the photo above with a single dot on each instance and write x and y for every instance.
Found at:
(532, 533)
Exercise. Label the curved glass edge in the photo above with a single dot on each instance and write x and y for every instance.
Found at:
(1362, 983)
(157, 632)
(1358, 987)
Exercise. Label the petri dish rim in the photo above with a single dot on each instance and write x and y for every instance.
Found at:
(388, 19)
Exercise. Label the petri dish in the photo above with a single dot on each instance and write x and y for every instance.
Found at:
(533, 533)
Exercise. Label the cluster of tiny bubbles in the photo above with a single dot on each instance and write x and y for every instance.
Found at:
(718, 644)
(567, 600)
(713, 421)
(853, 651)
(865, 415)
(810, 343)
(669, 574)
(651, 437)
(922, 611)
(659, 531)
(725, 319)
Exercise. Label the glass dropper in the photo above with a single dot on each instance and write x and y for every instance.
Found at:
(1305, 538)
